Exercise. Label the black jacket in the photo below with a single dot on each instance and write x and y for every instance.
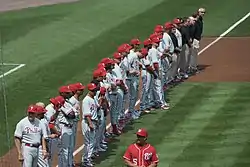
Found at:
(185, 33)
(174, 39)
(198, 28)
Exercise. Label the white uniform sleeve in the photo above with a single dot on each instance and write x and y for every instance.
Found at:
(44, 129)
(86, 108)
(67, 108)
(111, 79)
(145, 62)
(19, 130)
(179, 38)
(161, 47)
(154, 56)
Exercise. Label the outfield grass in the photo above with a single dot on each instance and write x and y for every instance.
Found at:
(243, 30)
(208, 125)
(61, 44)
(6, 68)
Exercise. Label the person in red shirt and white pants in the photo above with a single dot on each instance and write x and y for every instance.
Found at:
(141, 154)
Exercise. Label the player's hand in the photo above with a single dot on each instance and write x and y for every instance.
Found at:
(20, 157)
(53, 136)
(45, 154)
(91, 127)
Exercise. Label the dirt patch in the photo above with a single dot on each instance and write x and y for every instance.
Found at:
(7, 5)
(228, 60)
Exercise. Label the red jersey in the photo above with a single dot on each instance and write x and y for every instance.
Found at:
(141, 155)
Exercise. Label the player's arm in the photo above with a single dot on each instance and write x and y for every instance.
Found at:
(18, 142)
(68, 111)
(87, 114)
(129, 164)
(128, 159)
(154, 159)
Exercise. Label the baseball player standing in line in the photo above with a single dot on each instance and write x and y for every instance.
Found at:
(114, 96)
(40, 107)
(176, 31)
(77, 90)
(89, 123)
(146, 72)
(121, 89)
(133, 77)
(186, 48)
(51, 115)
(167, 48)
(64, 122)
(154, 57)
(29, 135)
(197, 38)
(140, 153)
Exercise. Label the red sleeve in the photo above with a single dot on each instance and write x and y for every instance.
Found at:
(127, 154)
(51, 125)
(154, 156)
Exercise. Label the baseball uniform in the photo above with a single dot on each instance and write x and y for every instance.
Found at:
(132, 81)
(64, 122)
(89, 109)
(141, 155)
(30, 134)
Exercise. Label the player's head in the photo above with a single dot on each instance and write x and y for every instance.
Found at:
(31, 111)
(142, 135)
(168, 27)
(40, 110)
(92, 89)
(77, 88)
(135, 44)
(117, 57)
(109, 64)
(57, 102)
(124, 49)
(65, 92)
(99, 74)
(201, 12)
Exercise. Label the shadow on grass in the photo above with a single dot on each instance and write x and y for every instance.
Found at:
(12, 29)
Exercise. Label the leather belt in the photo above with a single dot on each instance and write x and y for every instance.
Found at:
(67, 125)
(32, 145)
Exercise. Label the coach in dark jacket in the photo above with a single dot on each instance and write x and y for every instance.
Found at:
(198, 30)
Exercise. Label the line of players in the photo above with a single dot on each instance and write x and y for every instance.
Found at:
(168, 55)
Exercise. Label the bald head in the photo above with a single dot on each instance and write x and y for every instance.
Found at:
(201, 11)
(41, 104)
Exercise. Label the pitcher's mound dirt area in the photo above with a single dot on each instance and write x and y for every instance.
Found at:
(228, 60)
(7, 5)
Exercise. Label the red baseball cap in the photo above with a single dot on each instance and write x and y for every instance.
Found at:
(176, 21)
(103, 90)
(156, 40)
(91, 86)
(135, 41)
(64, 89)
(31, 108)
(124, 48)
(101, 65)
(103, 72)
(76, 86)
(154, 35)
(40, 109)
(59, 100)
(144, 51)
(168, 25)
(158, 29)
(97, 73)
(147, 42)
(142, 132)
(106, 61)
(117, 55)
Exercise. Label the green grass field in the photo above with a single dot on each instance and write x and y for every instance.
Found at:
(208, 125)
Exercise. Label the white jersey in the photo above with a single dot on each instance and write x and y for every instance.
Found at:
(167, 43)
(76, 105)
(64, 111)
(118, 71)
(124, 65)
(154, 56)
(30, 132)
(111, 79)
(50, 112)
(179, 38)
(46, 126)
(144, 62)
(89, 108)
(133, 61)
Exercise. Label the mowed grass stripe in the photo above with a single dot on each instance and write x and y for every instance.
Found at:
(200, 151)
(147, 121)
(175, 143)
(167, 121)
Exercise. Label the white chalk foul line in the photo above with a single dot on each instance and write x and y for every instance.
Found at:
(12, 70)
(204, 49)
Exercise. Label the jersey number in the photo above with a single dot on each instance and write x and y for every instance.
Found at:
(135, 161)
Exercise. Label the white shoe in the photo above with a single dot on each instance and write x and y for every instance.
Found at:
(165, 107)
(186, 76)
